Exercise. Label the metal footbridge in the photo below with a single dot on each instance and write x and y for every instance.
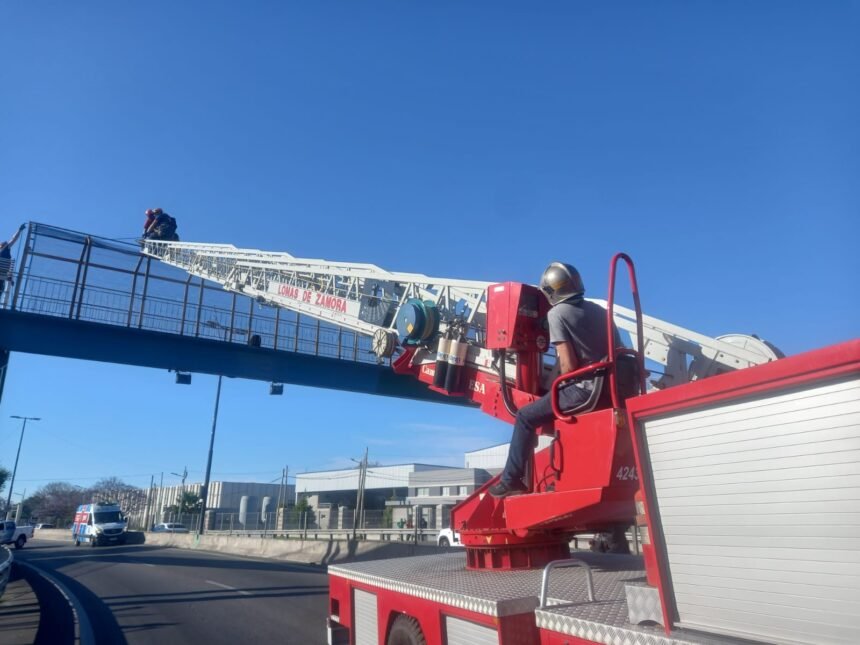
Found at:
(81, 296)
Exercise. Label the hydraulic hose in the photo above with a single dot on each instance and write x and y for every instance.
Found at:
(503, 381)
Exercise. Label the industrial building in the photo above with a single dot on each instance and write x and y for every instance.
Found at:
(427, 490)
(224, 497)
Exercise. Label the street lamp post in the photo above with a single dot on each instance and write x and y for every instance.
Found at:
(15, 469)
(181, 490)
(204, 491)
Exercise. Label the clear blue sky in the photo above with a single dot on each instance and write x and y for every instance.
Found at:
(717, 143)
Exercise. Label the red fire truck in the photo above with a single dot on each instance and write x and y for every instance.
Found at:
(739, 468)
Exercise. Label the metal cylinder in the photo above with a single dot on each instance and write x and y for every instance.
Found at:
(441, 362)
(456, 361)
(243, 510)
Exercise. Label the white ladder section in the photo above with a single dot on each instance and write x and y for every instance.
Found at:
(365, 298)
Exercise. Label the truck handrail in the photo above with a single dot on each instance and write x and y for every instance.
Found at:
(5, 568)
(563, 564)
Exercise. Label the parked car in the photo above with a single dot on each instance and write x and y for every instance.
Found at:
(448, 537)
(169, 527)
(12, 534)
(44, 526)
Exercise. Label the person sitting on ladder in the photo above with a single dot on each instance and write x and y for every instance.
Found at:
(577, 328)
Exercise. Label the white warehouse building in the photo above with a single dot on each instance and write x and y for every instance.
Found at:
(340, 486)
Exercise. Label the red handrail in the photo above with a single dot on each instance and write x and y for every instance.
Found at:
(610, 306)
(556, 410)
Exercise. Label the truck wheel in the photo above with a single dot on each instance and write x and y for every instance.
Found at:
(93, 542)
(77, 542)
(443, 541)
(20, 542)
(405, 631)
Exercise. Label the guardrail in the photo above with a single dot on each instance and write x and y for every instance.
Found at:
(380, 535)
(425, 535)
(5, 567)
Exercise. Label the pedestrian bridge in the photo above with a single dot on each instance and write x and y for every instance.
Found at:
(81, 296)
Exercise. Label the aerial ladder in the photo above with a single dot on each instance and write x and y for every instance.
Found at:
(488, 343)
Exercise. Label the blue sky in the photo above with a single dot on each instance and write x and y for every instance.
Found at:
(717, 143)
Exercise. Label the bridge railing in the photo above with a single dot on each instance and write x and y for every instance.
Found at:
(80, 277)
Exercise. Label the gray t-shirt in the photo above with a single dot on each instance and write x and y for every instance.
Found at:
(582, 323)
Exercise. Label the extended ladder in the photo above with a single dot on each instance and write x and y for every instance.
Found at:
(366, 299)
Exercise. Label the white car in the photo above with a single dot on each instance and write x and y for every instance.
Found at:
(169, 527)
(448, 537)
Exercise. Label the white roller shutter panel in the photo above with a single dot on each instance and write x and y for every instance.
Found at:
(760, 507)
(366, 631)
(465, 632)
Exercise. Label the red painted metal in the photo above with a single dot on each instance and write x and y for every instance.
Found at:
(518, 629)
(515, 316)
(820, 365)
(580, 373)
(610, 326)
(585, 482)
(554, 638)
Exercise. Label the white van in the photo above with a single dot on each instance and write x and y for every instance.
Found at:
(99, 524)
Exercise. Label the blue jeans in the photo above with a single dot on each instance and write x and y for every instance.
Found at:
(531, 417)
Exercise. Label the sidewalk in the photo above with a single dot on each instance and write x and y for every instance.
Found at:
(19, 614)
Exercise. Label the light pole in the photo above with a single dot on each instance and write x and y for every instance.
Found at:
(15, 469)
(204, 490)
(181, 490)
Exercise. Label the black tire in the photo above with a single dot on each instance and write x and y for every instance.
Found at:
(443, 541)
(93, 541)
(21, 541)
(405, 631)
(77, 542)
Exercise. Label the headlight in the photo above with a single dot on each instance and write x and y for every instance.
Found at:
(98, 529)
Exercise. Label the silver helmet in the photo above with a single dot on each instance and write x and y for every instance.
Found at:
(561, 281)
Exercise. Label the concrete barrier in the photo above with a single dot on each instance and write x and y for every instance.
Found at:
(53, 534)
(320, 552)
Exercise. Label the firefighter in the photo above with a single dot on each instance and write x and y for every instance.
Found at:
(159, 226)
(577, 328)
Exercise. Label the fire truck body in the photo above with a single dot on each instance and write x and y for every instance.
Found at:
(721, 471)
(751, 482)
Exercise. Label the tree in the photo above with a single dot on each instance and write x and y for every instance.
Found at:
(4, 477)
(296, 512)
(112, 490)
(188, 502)
(56, 502)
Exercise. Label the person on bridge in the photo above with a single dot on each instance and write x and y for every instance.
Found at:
(577, 328)
(6, 258)
(150, 219)
(159, 226)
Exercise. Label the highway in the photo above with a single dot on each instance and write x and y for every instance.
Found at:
(155, 594)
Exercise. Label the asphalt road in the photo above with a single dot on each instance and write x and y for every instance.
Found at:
(155, 594)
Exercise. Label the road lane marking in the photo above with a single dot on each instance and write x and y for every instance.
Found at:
(148, 564)
(223, 586)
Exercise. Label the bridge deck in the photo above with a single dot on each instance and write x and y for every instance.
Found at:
(81, 296)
